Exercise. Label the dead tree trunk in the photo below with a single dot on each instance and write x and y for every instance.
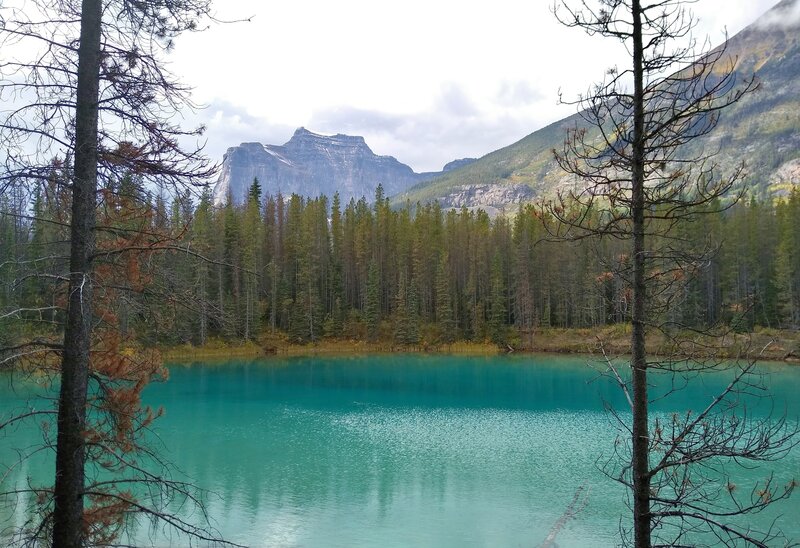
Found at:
(640, 439)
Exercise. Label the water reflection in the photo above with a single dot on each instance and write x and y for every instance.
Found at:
(407, 450)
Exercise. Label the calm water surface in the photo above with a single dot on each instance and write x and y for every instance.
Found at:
(410, 450)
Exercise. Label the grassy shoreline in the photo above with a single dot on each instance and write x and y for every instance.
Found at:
(332, 347)
(766, 345)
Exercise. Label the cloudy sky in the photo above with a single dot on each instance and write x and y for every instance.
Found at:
(426, 81)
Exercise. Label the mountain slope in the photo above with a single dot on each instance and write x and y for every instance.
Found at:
(310, 165)
(763, 129)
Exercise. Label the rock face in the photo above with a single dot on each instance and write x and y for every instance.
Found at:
(494, 199)
(311, 165)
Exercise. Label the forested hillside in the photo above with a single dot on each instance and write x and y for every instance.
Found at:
(762, 130)
(410, 276)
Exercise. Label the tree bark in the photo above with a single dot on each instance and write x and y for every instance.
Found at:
(70, 446)
(640, 442)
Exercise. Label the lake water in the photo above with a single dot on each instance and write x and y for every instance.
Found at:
(409, 450)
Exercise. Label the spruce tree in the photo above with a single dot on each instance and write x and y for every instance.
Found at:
(498, 311)
(401, 315)
(444, 307)
(413, 313)
(372, 312)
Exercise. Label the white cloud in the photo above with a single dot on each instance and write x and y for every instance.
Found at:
(786, 17)
(518, 93)
(424, 81)
(228, 125)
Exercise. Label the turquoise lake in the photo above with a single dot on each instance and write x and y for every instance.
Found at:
(409, 450)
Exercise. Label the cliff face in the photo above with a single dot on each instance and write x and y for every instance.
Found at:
(311, 165)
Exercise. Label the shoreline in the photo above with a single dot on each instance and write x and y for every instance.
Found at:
(766, 345)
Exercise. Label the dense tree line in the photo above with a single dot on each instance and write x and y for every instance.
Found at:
(414, 275)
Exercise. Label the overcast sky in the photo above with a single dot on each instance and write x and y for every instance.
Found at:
(426, 81)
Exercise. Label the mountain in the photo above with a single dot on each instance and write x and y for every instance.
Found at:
(763, 129)
(310, 164)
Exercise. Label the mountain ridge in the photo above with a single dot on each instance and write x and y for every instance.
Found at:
(312, 164)
(763, 129)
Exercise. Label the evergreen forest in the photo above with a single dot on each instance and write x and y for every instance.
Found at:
(412, 276)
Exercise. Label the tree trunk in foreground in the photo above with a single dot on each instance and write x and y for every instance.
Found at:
(70, 448)
(640, 442)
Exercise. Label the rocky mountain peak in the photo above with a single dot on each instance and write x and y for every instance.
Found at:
(303, 135)
(311, 164)
(303, 139)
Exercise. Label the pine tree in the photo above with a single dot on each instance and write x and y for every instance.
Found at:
(498, 310)
(444, 308)
(231, 298)
(401, 321)
(254, 192)
(372, 312)
(336, 293)
(413, 316)
(201, 238)
(787, 269)
(252, 261)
